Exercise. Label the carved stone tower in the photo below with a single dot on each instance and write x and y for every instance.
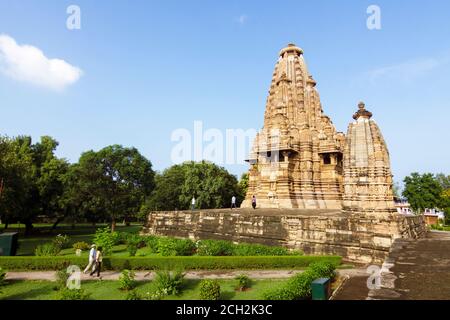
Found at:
(296, 160)
(367, 172)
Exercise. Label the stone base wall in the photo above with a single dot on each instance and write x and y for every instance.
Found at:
(357, 238)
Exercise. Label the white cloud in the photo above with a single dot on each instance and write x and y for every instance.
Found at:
(407, 71)
(29, 64)
(242, 19)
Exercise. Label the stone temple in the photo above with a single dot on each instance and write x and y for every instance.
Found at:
(299, 160)
(317, 189)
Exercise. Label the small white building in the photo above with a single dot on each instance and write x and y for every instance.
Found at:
(432, 216)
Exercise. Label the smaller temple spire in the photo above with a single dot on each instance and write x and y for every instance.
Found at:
(362, 112)
(291, 48)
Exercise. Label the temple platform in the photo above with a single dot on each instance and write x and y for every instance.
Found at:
(356, 237)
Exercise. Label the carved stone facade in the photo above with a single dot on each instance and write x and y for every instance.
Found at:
(299, 160)
(317, 190)
(367, 172)
(356, 238)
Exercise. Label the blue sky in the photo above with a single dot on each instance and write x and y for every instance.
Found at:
(151, 67)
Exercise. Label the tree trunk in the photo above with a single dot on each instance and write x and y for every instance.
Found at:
(113, 225)
(28, 227)
(58, 220)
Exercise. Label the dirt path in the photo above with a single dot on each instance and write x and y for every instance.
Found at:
(149, 275)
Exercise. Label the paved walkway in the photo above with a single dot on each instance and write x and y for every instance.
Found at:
(414, 269)
(149, 275)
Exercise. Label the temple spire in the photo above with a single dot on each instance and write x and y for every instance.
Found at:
(362, 112)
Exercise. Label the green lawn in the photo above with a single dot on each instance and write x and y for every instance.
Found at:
(81, 232)
(109, 290)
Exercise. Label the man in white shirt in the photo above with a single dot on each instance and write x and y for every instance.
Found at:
(193, 204)
(233, 202)
(92, 257)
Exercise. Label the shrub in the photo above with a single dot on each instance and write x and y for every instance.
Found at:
(61, 241)
(154, 295)
(159, 262)
(299, 286)
(152, 243)
(175, 247)
(323, 269)
(132, 249)
(184, 247)
(81, 246)
(134, 242)
(247, 249)
(2, 278)
(126, 280)
(243, 282)
(278, 294)
(106, 239)
(47, 249)
(214, 248)
(61, 279)
(209, 290)
(169, 283)
(133, 295)
(120, 238)
(74, 294)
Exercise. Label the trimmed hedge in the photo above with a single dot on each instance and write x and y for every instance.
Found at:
(172, 262)
(299, 286)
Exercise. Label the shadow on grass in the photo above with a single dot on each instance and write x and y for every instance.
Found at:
(227, 295)
(46, 289)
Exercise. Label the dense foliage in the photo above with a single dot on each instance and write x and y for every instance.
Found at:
(109, 184)
(113, 184)
(209, 290)
(299, 286)
(169, 282)
(428, 191)
(126, 280)
(211, 185)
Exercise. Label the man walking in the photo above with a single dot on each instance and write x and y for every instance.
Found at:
(98, 262)
(92, 256)
(233, 202)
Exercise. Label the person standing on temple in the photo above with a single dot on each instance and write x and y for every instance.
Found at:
(254, 202)
(193, 204)
(233, 202)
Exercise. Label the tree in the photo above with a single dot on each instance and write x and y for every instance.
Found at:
(422, 191)
(211, 185)
(16, 173)
(31, 176)
(115, 180)
(396, 190)
(243, 186)
(443, 180)
(169, 186)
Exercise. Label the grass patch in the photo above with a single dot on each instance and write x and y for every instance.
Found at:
(42, 233)
(109, 290)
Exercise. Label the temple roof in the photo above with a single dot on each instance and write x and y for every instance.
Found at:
(362, 112)
(291, 48)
